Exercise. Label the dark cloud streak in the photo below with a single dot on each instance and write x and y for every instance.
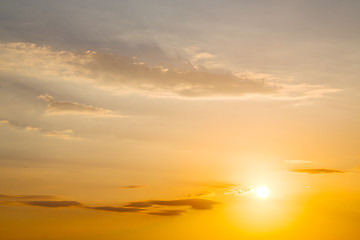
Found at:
(317, 171)
(167, 213)
(54, 204)
(116, 209)
(28, 196)
(151, 207)
(198, 204)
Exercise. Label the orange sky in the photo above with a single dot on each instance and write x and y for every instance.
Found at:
(160, 119)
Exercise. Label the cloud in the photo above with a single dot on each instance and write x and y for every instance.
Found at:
(232, 189)
(28, 196)
(4, 122)
(168, 212)
(198, 204)
(205, 194)
(53, 204)
(66, 107)
(66, 134)
(152, 207)
(116, 209)
(297, 161)
(122, 74)
(317, 171)
(237, 191)
(303, 91)
(144, 204)
(126, 75)
(131, 75)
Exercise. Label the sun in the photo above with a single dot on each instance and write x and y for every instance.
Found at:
(262, 192)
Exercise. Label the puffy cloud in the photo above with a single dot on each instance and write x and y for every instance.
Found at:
(54, 204)
(66, 107)
(317, 171)
(66, 134)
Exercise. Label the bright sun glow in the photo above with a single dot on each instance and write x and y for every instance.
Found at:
(262, 192)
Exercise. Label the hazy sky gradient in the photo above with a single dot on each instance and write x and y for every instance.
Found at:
(158, 119)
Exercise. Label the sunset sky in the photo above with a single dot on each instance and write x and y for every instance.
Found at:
(155, 119)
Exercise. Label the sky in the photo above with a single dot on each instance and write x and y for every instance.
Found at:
(160, 119)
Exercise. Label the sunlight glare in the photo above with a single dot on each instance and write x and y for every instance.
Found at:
(262, 192)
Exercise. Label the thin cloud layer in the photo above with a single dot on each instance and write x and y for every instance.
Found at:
(233, 189)
(317, 171)
(66, 134)
(66, 107)
(168, 213)
(27, 196)
(53, 204)
(205, 194)
(152, 207)
(116, 209)
(127, 75)
(123, 72)
(198, 204)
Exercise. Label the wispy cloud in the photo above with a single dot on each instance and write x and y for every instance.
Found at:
(232, 189)
(237, 191)
(167, 213)
(152, 207)
(116, 209)
(73, 108)
(128, 75)
(198, 204)
(2, 196)
(317, 171)
(204, 194)
(66, 134)
(54, 204)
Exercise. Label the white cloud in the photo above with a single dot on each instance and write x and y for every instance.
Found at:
(66, 134)
(73, 108)
(237, 191)
(127, 75)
